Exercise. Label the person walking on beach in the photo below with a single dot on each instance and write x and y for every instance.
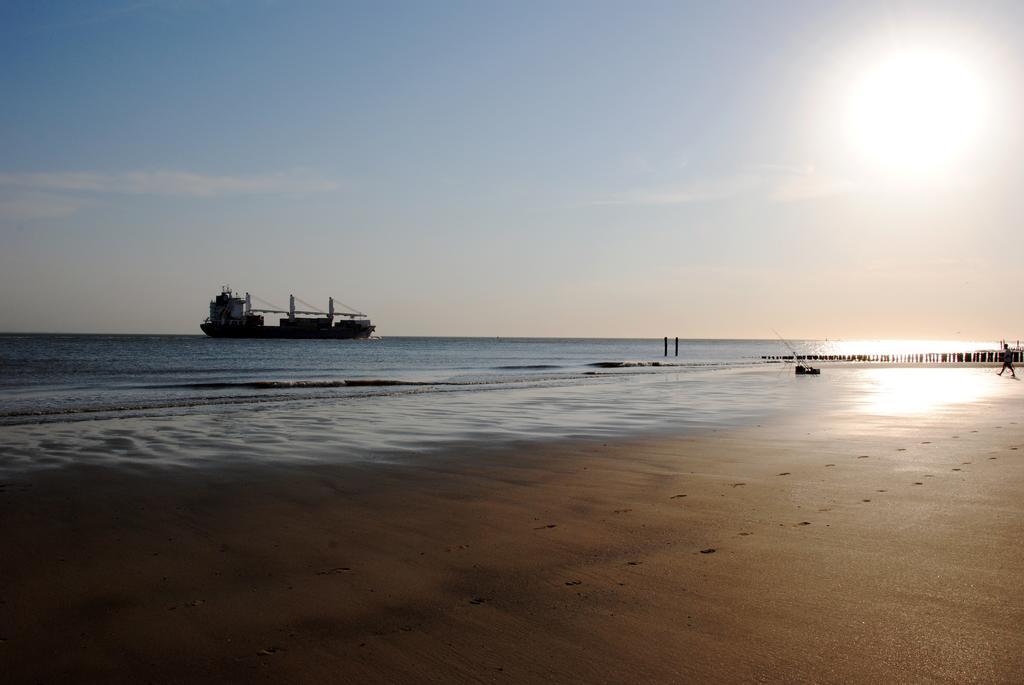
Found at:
(1007, 360)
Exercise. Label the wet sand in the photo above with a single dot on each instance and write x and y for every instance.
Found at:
(839, 549)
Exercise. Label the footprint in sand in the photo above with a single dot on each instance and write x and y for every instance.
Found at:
(804, 523)
(268, 651)
(828, 465)
(676, 496)
(881, 491)
(863, 456)
(957, 469)
(550, 525)
(478, 600)
(784, 473)
(709, 550)
(334, 571)
(918, 483)
(926, 442)
(744, 533)
(633, 563)
(736, 485)
(865, 500)
(902, 449)
(623, 511)
(574, 582)
(992, 458)
(955, 437)
(1013, 449)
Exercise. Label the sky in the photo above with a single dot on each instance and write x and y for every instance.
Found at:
(592, 169)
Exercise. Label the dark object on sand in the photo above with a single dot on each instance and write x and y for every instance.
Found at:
(235, 317)
(801, 368)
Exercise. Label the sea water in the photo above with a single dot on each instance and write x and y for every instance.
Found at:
(63, 377)
(191, 399)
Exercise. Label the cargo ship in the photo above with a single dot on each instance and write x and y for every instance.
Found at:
(232, 316)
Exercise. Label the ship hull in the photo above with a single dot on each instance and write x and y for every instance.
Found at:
(280, 332)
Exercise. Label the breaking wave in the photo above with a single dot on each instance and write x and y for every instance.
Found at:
(528, 367)
(284, 385)
(642, 364)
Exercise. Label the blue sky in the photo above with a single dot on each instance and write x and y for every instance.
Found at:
(606, 169)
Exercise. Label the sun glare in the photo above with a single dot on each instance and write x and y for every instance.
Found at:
(904, 392)
(916, 111)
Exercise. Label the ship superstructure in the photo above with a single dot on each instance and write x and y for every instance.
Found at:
(232, 316)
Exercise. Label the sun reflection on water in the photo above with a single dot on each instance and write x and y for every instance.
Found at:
(896, 347)
(901, 391)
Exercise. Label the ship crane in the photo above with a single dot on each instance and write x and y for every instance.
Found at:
(292, 311)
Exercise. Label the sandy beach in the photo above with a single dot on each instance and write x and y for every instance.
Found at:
(828, 548)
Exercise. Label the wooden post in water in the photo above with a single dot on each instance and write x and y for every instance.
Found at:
(666, 345)
(677, 345)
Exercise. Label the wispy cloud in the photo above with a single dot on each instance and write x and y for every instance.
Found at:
(805, 184)
(951, 267)
(172, 183)
(32, 205)
(773, 183)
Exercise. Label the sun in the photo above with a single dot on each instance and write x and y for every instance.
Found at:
(916, 110)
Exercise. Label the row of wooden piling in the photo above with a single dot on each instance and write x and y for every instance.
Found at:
(978, 357)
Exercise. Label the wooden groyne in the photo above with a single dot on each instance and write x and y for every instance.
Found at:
(977, 357)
